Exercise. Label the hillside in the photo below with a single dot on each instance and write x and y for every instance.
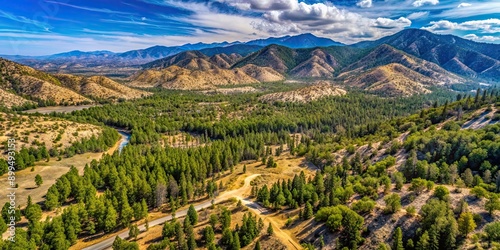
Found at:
(457, 55)
(392, 80)
(99, 87)
(175, 77)
(385, 54)
(39, 86)
(21, 85)
(304, 95)
(303, 63)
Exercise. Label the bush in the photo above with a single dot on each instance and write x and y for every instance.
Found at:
(411, 210)
(365, 205)
(493, 231)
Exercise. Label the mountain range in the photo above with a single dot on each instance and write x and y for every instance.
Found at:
(409, 62)
(76, 60)
(389, 66)
(455, 54)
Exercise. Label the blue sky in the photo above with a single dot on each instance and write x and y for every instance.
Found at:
(41, 27)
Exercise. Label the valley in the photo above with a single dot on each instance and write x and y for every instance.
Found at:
(293, 142)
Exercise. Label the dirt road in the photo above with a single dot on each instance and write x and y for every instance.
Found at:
(237, 193)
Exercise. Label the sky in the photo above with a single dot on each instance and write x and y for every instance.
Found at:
(42, 27)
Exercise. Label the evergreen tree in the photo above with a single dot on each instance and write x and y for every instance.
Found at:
(270, 230)
(193, 215)
(257, 246)
(38, 180)
(398, 240)
(235, 244)
(308, 212)
(133, 231)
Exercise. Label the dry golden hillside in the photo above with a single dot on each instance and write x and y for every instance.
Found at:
(385, 55)
(26, 81)
(175, 77)
(8, 99)
(307, 94)
(320, 64)
(99, 87)
(19, 82)
(262, 74)
(32, 131)
(392, 79)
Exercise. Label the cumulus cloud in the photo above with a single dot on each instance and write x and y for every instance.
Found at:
(491, 25)
(419, 3)
(464, 5)
(477, 38)
(364, 3)
(328, 20)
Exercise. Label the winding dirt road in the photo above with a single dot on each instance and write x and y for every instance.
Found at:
(285, 238)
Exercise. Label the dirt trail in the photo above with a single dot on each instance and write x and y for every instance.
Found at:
(482, 120)
(107, 243)
(285, 238)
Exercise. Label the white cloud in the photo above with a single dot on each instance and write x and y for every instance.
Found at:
(328, 20)
(477, 38)
(419, 3)
(364, 3)
(491, 25)
(464, 5)
(273, 4)
(102, 10)
(476, 9)
(418, 15)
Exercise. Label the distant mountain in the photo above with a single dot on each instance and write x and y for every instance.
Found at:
(240, 49)
(303, 63)
(20, 85)
(74, 61)
(393, 72)
(195, 70)
(300, 41)
(463, 57)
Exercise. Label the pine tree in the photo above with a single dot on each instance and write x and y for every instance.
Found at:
(257, 246)
(236, 242)
(209, 235)
(110, 220)
(308, 212)
(193, 215)
(191, 240)
(398, 240)
(38, 180)
(270, 230)
(423, 242)
(466, 223)
(133, 231)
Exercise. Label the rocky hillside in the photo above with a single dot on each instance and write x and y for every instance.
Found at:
(385, 54)
(457, 55)
(99, 87)
(175, 77)
(22, 85)
(392, 79)
(310, 93)
(195, 70)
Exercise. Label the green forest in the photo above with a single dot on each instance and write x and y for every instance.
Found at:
(120, 190)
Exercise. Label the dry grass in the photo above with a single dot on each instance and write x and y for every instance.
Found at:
(31, 131)
(49, 171)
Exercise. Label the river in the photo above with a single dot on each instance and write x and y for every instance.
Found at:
(65, 109)
(125, 139)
